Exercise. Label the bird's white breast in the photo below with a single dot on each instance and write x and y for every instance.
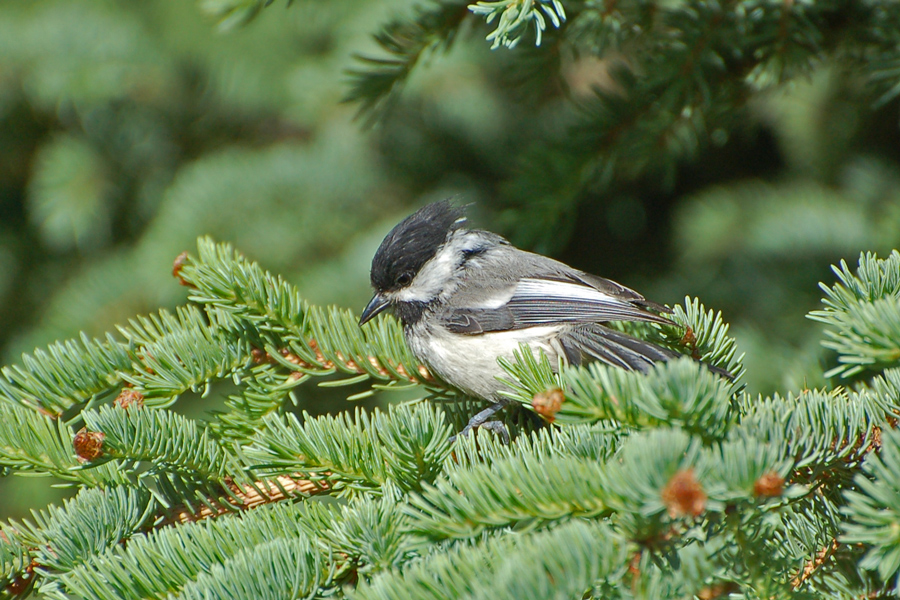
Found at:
(469, 362)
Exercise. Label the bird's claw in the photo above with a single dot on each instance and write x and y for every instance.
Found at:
(481, 420)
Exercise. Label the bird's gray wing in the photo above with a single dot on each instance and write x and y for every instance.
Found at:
(617, 290)
(535, 302)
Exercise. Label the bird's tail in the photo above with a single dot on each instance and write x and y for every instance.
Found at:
(596, 342)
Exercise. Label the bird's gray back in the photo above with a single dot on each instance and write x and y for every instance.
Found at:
(501, 267)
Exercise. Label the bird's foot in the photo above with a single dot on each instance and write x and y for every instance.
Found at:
(481, 420)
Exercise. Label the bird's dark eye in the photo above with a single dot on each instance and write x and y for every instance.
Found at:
(404, 279)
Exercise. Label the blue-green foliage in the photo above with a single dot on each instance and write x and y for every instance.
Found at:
(127, 129)
(874, 510)
(863, 314)
(666, 484)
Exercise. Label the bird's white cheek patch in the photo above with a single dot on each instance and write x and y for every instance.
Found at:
(432, 280)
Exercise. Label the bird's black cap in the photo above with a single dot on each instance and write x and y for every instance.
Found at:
(413, 242)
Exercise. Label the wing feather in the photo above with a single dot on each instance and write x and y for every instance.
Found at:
(596, 342)
(535, 302)
(542, 301)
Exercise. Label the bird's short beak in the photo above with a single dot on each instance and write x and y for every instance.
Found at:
(377, 304)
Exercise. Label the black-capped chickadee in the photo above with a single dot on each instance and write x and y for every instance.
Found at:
(467, 297)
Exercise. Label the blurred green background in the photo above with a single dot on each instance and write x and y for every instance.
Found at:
(127, 129)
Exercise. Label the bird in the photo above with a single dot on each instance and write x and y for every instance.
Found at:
(467, 297)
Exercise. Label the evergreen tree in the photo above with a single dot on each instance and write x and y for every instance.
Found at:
(668, 485)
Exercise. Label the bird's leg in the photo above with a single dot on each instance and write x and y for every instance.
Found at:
(481, 420)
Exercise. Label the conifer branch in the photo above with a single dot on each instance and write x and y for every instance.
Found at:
(168, 454)
(92, 522)
(596, 443)
(60, 539)
(515, 17)
(234, 13)
(168, 560)
(885, 79)
(372, 534)
(675, 393)
(406, 42)
(704, 333)
(507, 493)
(874, 510)
(863, 315)
(263, 392)
(682, 74)
(294, 568)
(529, 490)
(824, 432)
(238, 295)
(249, 496)
(178, 353)
(160, 437)
(883, 391)
(406, 446)
(570, 560)
(458, 410)
(14, 557)
(810, 568)
(631, 471)
(31, 442)
(65, 374)
(267, 337)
